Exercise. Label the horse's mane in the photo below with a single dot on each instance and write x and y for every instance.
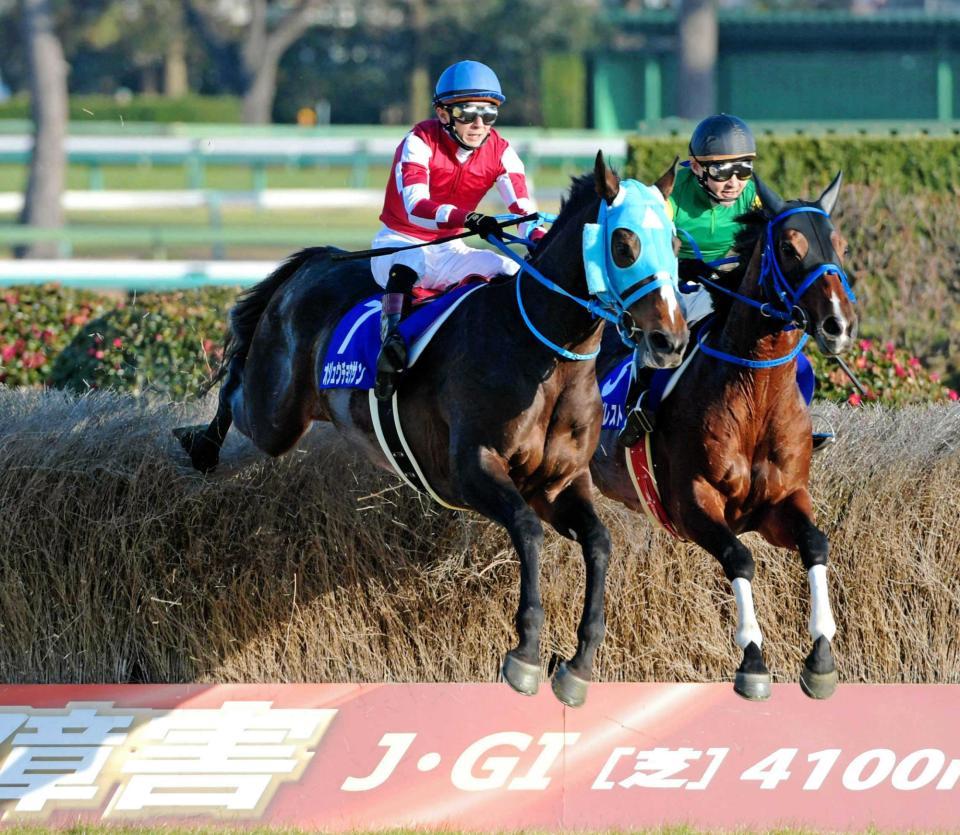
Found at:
(582, 192)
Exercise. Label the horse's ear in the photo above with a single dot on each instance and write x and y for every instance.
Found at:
(667, 178)
(606, 179)
(828, 200)
(772, 201)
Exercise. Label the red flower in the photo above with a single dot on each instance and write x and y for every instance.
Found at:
(952, 394)
(7, 353)
(914, 362)
(98, 354)
(899, 370)
(855, 399)
(934, 377)
(118, 342)
(860, 362)
(866, 344)
(33, 359)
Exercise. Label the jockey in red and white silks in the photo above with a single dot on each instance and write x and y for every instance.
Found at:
(441, 171)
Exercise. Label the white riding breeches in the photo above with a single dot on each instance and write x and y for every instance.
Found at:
(438, 265)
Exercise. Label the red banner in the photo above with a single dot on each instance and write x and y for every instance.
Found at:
(480, 757)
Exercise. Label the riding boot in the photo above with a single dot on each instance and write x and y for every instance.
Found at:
(392, 359)
(640, 420)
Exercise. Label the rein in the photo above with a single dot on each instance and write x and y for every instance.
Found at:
(605, 301)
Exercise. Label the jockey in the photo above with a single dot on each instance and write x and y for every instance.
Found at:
(712, 189)
(441, 171)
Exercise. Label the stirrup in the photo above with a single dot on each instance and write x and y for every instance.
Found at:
(640, 421)
(821, 440)
(385, 384)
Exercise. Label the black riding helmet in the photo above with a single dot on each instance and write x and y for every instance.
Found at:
(722, 137)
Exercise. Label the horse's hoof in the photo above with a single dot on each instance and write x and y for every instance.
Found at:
(752, 686)
(522, 676)
(204, 453)
(818, 685)
(568, 688)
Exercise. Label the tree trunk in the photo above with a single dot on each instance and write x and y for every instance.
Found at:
(175, 79)
(262, 52)
(420, 93)
(697, 43)
(42, 202)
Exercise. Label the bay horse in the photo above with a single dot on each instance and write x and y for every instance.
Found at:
(730, 450)
(501, 410)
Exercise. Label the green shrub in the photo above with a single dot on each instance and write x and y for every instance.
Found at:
(802, 166)
(159, 344)
(890, 375)
(192, 108)
(36, 324)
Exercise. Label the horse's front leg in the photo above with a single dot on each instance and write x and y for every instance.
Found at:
(704, 523)
(574, 516)
(790, 525)
(485, 485)
(203, 444)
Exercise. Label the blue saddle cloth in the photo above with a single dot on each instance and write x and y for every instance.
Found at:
(616, 385)
(351, 358)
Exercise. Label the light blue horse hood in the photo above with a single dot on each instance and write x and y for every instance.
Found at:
(637, 207)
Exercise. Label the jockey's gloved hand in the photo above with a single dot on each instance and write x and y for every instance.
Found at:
(484, 225)
(693, 269)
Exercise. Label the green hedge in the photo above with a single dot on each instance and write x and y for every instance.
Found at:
(802, 166)
(165, 345)
(162, 345)
(210, 109)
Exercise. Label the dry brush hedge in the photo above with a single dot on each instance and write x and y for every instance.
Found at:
(118, 563)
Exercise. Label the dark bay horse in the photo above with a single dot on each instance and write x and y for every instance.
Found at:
(501, 410)
(731, 448)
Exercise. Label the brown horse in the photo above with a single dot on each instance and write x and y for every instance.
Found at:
(731, 448)
(498, 415)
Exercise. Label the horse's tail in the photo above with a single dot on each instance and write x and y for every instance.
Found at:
(246, 313)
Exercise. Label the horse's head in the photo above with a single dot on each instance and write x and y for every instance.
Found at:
(631, 264)
(803, 265)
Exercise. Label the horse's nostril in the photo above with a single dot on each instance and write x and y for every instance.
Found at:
(832, 326)
(660, 342)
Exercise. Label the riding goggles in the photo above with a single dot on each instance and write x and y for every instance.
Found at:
(467, 113)
(723, 171)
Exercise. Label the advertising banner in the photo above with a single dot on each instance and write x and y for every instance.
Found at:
(480, 757)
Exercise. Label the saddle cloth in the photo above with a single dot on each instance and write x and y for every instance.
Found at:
(351, 357)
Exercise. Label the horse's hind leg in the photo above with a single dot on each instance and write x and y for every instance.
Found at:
(486, 486)
(790, 525)
(203, 444)
(706, 526)
(574, 516)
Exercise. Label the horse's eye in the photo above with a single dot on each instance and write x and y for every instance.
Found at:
(625, 247)
(787, 250)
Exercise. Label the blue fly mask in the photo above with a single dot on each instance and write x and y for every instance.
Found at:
(640, 209)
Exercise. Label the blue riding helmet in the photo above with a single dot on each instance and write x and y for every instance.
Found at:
(641, 209)
(468, 81)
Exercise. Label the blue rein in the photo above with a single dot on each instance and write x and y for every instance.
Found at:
(773, 283)
(596, 308)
